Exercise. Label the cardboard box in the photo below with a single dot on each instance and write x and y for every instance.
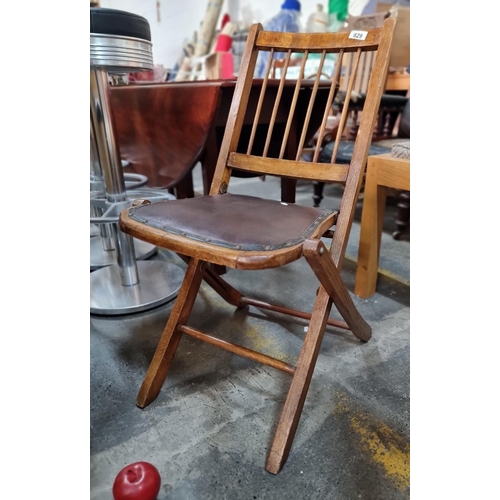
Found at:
(400, 52)
(219, 65)
(365, 22)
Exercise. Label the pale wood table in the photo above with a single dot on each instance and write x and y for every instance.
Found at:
(382, 172)
(397, 81)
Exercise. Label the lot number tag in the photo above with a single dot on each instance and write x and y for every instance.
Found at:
(358, 35)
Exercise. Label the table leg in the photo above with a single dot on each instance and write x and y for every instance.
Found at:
(208, 162)
(372, 217)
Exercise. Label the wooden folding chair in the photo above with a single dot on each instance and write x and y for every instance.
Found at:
(251, 233)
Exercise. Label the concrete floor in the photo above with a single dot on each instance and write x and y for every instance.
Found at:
(210, 429)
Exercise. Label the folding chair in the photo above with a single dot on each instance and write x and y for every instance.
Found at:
(251, 233)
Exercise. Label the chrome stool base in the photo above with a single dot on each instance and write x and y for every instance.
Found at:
(100, 257)
(108, 296)
(102, 251)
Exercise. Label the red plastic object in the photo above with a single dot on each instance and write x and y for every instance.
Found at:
(224, 43)
(225, 20)
(137, 481)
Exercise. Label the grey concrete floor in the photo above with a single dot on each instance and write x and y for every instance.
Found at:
(210, 429)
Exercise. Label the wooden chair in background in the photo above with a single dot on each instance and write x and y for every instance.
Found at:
(250, 233)
(278, 66)
(392, 104)
(386, 133)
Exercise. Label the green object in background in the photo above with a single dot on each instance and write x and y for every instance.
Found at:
(339, 8)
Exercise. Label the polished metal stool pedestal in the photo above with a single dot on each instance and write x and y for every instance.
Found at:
(102, 246)
(99, 257)
(120, 43)
(158, 288)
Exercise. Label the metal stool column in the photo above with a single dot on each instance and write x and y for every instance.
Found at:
(102, 247)
(120, 43)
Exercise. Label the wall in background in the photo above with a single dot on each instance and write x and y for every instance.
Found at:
(174, 22)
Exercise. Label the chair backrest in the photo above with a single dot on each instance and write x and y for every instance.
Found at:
(376, 40)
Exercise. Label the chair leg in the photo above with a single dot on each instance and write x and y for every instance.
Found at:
(222, 287)
(318, 192)
(290, 416)
(171, 336)
(296, 396)
(333, 289)
(403, 215)
(325, 269)
(314, 250)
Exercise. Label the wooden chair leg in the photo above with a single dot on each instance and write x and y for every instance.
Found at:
(222, 287)
(322, 264)
(317, 192)
(296, 396)
(171, 336)
(403, 215)
(288, 190)
(333, 290)
(353, 129)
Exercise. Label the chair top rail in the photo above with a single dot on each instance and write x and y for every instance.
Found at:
(317, 42)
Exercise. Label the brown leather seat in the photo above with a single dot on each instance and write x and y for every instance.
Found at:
(244, 222)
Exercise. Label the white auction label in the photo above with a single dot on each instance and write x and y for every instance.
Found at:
(358, 35)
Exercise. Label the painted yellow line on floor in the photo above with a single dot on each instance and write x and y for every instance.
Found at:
(382, 445)
(384, 272)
